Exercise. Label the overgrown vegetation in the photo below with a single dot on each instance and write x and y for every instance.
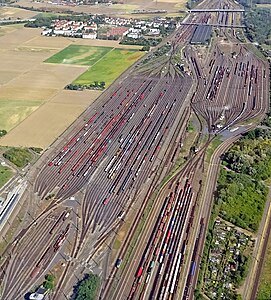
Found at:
(5, 175)
(161, 51)
(50, 196)
(140, 41)
(145, 48)
(18, 156)
(36, 149)
(87, 288)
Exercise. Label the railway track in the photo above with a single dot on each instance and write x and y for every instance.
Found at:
(118, 151)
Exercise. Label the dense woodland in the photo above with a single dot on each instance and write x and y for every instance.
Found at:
(241, 192)
(259, 25)
(87, 288)
(251, 3)
(43, 20)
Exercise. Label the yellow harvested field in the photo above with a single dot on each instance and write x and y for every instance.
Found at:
(17, 37)
(114, 9)
(126, 7)
(8, 28)
(84, 98)
(43, 126)
(14, 13)
(7, 76)
(52, 43)
(31, 91)
(43, 42)
(21, 93)
(178, 4)
(48, 76)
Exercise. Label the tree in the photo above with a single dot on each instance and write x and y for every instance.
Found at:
(87, 288)
(49, 282)
(146, 48)
(2, 132)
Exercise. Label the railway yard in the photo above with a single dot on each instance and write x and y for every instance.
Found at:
(110, 164)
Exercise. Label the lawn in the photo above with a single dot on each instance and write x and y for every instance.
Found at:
(5, 175)
(110, 67)
(79, 55)
(12, 112)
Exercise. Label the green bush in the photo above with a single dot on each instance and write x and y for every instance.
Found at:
(258, 29)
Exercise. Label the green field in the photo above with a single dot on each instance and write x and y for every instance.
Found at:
(5, 175)
(18, 156)
(79, 55)
(12, 112)
(110, 67)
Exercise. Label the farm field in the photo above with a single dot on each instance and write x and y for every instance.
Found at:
(146, 16)
(119, 59)
(28, 86)
(180, 4)
(14, 13)
(18, 111)
(115, 9)
(58, 43)
(43, 126)
(79, 55)
(32, 95)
